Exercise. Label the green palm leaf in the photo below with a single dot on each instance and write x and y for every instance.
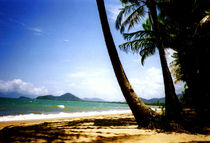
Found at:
(148, 50)
(123, 12)
(136, 35)
(134, 12)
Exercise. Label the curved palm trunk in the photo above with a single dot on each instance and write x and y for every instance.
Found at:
(141, 112)
(171, 101)
(172, 104)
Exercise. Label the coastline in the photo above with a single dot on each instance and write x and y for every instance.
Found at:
(58, 119)
(100, 128)
(45, 116)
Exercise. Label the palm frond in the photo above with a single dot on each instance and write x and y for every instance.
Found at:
(136, 35)
(204, 20)
(146, 52)
(132, 19)
(137, 45)
(176, 69)
(123, 12)
(131, 45)
(136, 18)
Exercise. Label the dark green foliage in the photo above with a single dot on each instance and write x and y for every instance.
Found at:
(191, 41)
(159, 104)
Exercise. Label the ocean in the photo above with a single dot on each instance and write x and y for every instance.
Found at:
(12, 109)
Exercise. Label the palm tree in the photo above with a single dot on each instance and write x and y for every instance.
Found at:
(147, 41)
(141, 112)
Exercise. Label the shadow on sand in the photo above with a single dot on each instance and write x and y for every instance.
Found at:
(88, 130)
(61, 131)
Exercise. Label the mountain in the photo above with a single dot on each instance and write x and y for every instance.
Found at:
(160, 100)
(94, 99)
(65, 97)
(69, 96)
(13, 95)
(24, 97)
(153, 100)
(47, 97)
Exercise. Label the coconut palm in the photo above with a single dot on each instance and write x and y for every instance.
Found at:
(141, 112)
(145, 42)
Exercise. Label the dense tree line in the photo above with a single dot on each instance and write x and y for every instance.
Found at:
(190, 26)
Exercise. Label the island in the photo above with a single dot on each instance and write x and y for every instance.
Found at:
(65, 97)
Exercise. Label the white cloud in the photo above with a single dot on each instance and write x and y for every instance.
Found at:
(102, 83)
(77, 75)
(36, 31)
(152, 85)
(95, 83)
(19, 86)
(66, 40)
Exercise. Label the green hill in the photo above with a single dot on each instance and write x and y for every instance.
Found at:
(65, 97)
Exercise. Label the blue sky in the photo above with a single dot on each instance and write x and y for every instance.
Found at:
(54, 47)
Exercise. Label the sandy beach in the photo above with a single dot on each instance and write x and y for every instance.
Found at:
(118, 128)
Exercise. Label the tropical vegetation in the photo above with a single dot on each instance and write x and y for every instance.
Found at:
(180, 25)
(146, 42)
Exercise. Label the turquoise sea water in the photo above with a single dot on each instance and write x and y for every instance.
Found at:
(12, 109)
(9, 106)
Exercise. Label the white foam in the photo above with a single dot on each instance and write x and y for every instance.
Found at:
(156, 108)
(61, 106)
(27, 117)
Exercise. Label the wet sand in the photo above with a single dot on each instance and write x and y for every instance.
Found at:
(117, 128)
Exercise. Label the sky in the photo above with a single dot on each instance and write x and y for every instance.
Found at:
(57, 46)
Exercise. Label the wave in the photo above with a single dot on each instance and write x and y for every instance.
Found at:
(61, 106)
(32, 116)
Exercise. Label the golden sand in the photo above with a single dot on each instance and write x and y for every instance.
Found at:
(117, 128)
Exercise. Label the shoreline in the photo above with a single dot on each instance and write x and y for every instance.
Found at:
(51, 120)
(100, 128)
(59, 115)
